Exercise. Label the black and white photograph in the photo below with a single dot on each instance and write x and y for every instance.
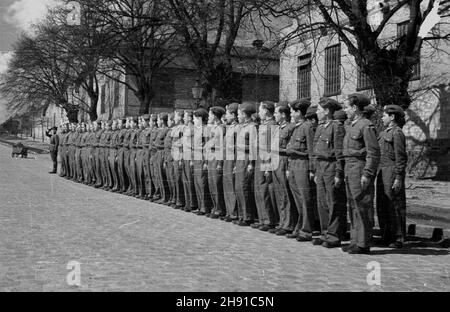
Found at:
(234, 149)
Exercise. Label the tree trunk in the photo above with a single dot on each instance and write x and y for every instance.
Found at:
(93, 107)
(72, 112)
(145, 97)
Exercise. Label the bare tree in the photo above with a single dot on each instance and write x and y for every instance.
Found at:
(140, 43)
(387, 62)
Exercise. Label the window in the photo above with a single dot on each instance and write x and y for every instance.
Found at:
(333, 70)
(402, 30)
(102, 99)
(363, 81)
(116, 93)
(304, 77)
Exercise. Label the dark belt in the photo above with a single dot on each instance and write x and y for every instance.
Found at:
(329, 159)
(140, 147)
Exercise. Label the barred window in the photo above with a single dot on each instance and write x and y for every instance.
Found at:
(304, 77)
(402, 30)
(102, 99)
(363, 81)
(333, 70)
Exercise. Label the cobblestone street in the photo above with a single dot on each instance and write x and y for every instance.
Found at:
(126, 244)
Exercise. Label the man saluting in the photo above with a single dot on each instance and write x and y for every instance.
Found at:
(54, 144)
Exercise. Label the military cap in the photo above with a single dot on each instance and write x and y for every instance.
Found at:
(233, 108)
(300, 105)
(361, 99)
(201, 112)
(340, 115)
(269, 105)
(311, 111)
(219, 111)
(369, 110)
(248, 108)
(331, 104)
(394, 109)
(283, 103)
(54, 128)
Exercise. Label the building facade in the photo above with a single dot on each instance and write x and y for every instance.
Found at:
(320, 65)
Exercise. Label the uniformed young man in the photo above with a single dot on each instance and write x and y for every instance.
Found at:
(84, 152)
(188, 164)
(268, 217)
(168, 161)
(108, 184)
(329, 174)
(301, 171)
(121, 171)
(391, 198)
(133, 152)
(78, 160)
(155, 194)
(54, 146)
(63, 150)
(229, 162)
(72, 150)
(113, 153)
(159, 169)
(96, 147)
(199, 162)
(140, 153)
(362, 156)
(215, 157)
(246, 153)
(90, 155)
(145, 142)
(283, 195)
(177, 147)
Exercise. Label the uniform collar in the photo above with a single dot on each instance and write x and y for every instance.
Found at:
(284, 124)
(358, 118)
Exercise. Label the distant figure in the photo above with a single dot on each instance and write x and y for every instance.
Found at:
(54, 144)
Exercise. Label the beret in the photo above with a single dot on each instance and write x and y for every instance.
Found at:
(361, 98)
(269, 105)
(331, 104)
(369, 110)
(201, 112)
(283, 103)
(54, 128)
(248, 108)
(340, 115)
(301, 105)
(218, 110)
(394, 109)
(233, 107)
(312, 110)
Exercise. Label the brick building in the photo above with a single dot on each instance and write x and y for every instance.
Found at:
(312, 68)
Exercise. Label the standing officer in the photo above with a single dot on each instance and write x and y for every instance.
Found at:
(113, 153)
(90, 154)
(156, 194)
(168, 161)
(77, 145)
(140, 156)
(362, 155)
(391, 198)
(98, 171)
(283, 195)
(329, 174)
(199, 162)
(301, 170)
(126, 146)
(229, 163)
(133, 153)
(63, 150)
(188, 164)
(246, 153)
(268, 217)
(215, 155)
(84, 153)
(145, 154)
(159, 157)
(177, 145)
(54, 146)
(121, 171)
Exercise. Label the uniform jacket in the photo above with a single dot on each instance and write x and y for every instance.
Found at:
(393, 150)
(301, 142)
(328, 144)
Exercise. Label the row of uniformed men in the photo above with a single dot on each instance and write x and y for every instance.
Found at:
(322, 169)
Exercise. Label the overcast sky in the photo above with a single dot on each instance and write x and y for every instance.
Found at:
(15, 17)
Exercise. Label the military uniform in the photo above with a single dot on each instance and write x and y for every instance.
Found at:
(215, 167)
(391, 203)
(300, 164)
(177, 144)
(228, 172)
(54, 146)
(97, 158)
(113, 153)
(362, 154)
(159, 170)
(187, 172)
(244, 179)
(121, 166)
(329, 164)
(265, 200)
(283, 195)
(133, 166)
(156, 195)
(200, 172)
